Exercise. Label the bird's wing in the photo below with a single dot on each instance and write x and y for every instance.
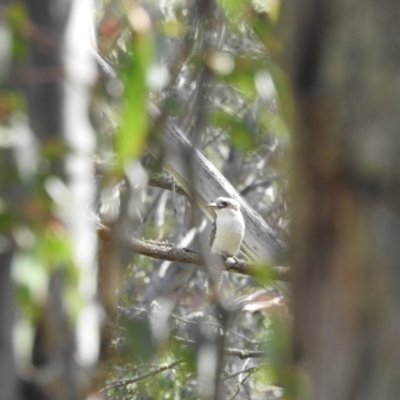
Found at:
(212, 234)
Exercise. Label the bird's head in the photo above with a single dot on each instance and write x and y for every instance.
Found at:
(223, 204)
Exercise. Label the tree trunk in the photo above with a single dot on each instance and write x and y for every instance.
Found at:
(8, 378)
(343, 60)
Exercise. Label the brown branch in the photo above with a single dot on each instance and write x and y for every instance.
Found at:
(239, 384)
(243, 371)
(242, 354)
(168, 252)
(153, 372)
(165, 182)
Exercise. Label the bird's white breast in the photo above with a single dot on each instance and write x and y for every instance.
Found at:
(230, 232)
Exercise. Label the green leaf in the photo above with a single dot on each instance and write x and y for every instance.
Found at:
(139, 338)
(17, 17)
(131, 138)
(241, 137)
(242, 80)
(263, 274)
(234, 9)
(282, 86)
(54, 246)
(172, 28)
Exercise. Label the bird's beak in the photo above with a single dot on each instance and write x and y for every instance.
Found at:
(212, 206)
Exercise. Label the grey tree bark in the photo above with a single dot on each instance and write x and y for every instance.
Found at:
(343, 60)
(8, 376)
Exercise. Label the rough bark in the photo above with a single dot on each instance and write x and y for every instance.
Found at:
(344, 63)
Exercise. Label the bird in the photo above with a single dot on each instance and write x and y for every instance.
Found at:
(228, 227)
(226, 236)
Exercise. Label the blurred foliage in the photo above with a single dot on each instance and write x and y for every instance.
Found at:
(130, 140)
(32, 193)
(17, 18)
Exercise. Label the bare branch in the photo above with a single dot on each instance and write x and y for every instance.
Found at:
(243, 371)
(242, 354)
(264, 183)
(165, 182)
(168, 252)
(135, 379)
(238, 385)
(233, 332)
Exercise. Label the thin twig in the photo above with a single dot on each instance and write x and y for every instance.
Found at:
(264, 183)
(243, 371)
(135, 379)
(241, 383)
(233, 332)
(242, 354)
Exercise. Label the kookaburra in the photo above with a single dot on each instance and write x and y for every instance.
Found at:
(228, 227)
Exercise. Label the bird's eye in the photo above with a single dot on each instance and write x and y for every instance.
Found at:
(224, 204)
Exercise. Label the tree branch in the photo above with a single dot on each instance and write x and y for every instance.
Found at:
(165, 182)
(264, 183)
(243, 371)
(135, 379)
(168, 252)
(242, 354)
